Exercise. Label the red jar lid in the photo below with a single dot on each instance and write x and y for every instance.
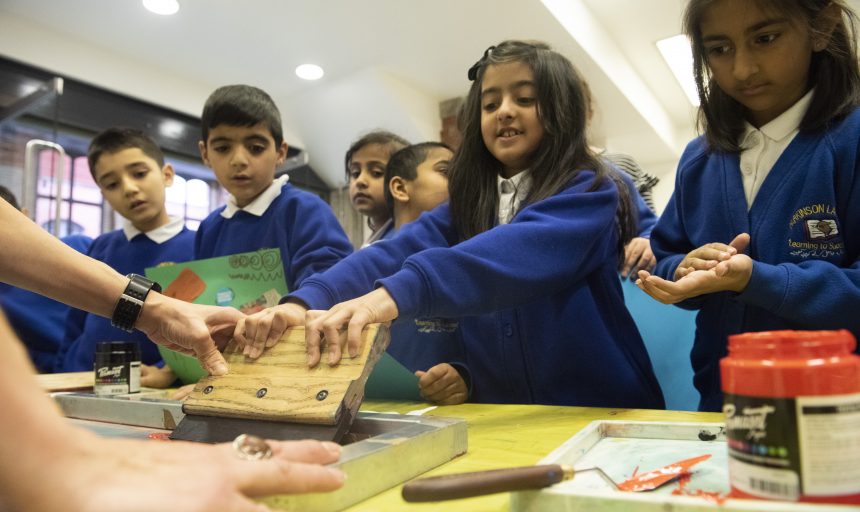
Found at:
(791, 364)
(791, 344)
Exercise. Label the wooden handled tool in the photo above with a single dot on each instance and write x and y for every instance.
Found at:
(277, 396)
(466, 485)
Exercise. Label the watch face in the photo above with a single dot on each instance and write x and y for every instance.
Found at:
(126, 313)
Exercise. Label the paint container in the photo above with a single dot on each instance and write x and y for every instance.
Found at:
(792, 408)
(117, 368)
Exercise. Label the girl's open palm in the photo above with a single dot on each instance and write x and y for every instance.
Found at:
(730, 275)
(710, 255)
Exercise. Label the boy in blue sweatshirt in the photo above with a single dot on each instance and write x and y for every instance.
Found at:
(243, 144)
(129, 169)
(416, 179)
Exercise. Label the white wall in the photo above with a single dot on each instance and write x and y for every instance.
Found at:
(330, 117)
(34, 44)
(663, 190)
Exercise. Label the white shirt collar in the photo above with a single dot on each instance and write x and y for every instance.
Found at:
(783, 125)
(157, 235)
(259, 205)
(512, 191)
(377, 235)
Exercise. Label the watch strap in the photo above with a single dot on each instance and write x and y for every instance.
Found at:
(130, 303)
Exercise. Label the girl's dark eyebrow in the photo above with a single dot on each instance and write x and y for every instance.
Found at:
(516, 85)
(754, 28)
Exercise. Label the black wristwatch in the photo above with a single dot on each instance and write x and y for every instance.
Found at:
(130, 303)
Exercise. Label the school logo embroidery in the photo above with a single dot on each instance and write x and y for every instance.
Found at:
(428, 325)
(815, 230)
(821, 229)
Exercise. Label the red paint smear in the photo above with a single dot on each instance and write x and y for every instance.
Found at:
(657, 477)
(713, 497)
(160, 436)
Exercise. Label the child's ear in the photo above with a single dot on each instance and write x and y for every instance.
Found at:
(168, 173)
(282, 152)
(204, 154)
(399, 190)
(823, 26)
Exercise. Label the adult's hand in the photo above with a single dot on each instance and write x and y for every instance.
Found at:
(193, 329)
(103, 474)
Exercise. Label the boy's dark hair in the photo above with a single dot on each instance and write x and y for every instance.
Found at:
(117, 139)
(404, 163)
(562, 108)
(833, 72)
(391, 141)
(241, 105)
(9, 197)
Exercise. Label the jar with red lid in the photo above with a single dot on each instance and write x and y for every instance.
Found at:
(792, 409)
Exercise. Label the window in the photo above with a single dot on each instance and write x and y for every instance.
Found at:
(81, 201)
(189, 199)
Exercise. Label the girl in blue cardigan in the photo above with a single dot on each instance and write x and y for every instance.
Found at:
(525, 255)
(757, 235)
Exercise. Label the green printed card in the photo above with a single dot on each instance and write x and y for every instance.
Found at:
(249, 282)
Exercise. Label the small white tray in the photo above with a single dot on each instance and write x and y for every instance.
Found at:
(620, 447)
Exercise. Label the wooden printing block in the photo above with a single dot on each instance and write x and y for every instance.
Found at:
(278, 397)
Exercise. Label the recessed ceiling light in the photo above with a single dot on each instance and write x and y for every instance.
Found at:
(678, 55)
(163, 7)
(309, 72)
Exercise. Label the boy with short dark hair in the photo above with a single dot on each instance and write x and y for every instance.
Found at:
(417, 181)
(243, 144)
(129, 169)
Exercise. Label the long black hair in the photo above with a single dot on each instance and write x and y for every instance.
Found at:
(562, 108)
(833, 71)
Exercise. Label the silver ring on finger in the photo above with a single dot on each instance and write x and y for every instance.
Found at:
(250, 447)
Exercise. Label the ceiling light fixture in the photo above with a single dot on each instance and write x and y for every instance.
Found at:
(163, 7)
(309, 72)
(678, 55)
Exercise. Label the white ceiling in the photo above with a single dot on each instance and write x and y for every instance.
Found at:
(388, 63)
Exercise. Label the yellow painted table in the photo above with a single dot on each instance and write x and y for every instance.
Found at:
(499, 436)
(508, 435)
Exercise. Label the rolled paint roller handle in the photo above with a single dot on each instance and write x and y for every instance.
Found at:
(465, 485)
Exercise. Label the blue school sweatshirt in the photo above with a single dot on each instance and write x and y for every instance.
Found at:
(539, 303)
(84, 330)
(806, 273)
(38, 321)
(298, 223)
(420, 343)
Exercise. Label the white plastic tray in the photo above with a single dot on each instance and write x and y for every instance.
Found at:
(620, 447)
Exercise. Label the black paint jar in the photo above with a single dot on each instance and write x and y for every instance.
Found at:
(117, 368)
